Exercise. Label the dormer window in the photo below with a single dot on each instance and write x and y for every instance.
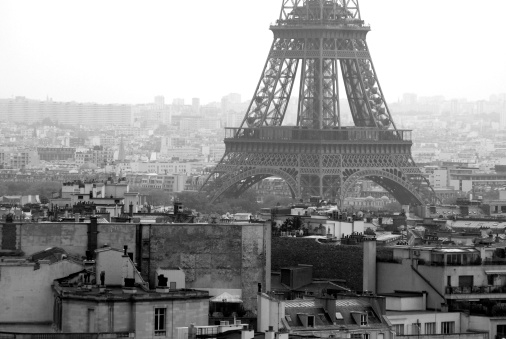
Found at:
(310, 321)
(363, 320)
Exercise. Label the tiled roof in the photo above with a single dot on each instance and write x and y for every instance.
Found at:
(300, 303)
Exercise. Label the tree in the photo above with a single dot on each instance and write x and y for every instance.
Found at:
(291, 224)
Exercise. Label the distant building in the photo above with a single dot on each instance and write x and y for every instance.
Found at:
(56, 153)
(18, 158)
(21, 109)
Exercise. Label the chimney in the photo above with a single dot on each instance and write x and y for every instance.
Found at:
(92, 234)
(270, 334)
(192, 332)
(127, 273)
(369, 266)
(246, 333)
(77, 217)
(131, 209)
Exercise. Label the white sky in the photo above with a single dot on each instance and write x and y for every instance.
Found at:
(125, 51)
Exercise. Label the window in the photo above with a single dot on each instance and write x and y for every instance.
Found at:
(366, 336)
(399, 329)
(160, 329)
(310, 321)
(172, 285)
(501, 331)
(466, 281)
(363, 319)
(288, 318)
(447, 327)
(430, 328)
(453, 259)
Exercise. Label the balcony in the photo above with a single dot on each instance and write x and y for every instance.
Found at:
(475, 289)
(304, 134)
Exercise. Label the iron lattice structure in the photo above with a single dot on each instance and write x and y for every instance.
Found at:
(313, 40)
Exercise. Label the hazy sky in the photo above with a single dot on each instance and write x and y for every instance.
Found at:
(125, 51)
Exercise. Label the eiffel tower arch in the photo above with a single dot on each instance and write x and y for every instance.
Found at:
(316, 41)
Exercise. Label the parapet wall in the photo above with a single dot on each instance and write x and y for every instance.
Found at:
(72, 237)
(329, 261)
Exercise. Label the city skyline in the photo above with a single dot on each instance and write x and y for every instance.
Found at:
(100, 56)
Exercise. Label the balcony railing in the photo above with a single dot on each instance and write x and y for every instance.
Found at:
(304, 134)
(475, 289)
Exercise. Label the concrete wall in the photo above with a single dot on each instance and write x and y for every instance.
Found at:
(270, 312)
(486, 324)
(392, 276)
(405, 303)
(72, 237)
(217, 258)
(172, 275)
(25, 293)
(116, 267)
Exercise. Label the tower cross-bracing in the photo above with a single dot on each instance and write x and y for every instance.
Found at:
(315, 42)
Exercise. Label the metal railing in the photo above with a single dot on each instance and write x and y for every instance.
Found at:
(475, 289)
(303, 134)
(13, 335)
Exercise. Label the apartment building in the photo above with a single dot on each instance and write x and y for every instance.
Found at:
(21, 109)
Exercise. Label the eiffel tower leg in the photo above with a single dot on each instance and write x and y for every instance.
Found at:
(269, 103)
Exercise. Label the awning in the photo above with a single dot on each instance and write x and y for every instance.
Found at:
(226, 298)
(498, 272)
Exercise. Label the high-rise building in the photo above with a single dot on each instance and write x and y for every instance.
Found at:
(21, 109)
(178, 102)
(160, 100)
(196, 105)
(502, 115)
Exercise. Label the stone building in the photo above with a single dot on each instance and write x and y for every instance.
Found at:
(110, 296)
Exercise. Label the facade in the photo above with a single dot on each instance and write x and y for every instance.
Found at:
(407, 313)
(18, 158)
(170, 183)
(70, 113)
(106, 197)
(56, 153)
(458, 279)
(118, 300)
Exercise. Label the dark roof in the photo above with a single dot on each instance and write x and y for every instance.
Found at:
(53, 254)
(295, 315)
(317, 287)
(403, 294)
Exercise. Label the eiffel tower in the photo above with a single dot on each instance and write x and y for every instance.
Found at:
(319, 156)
